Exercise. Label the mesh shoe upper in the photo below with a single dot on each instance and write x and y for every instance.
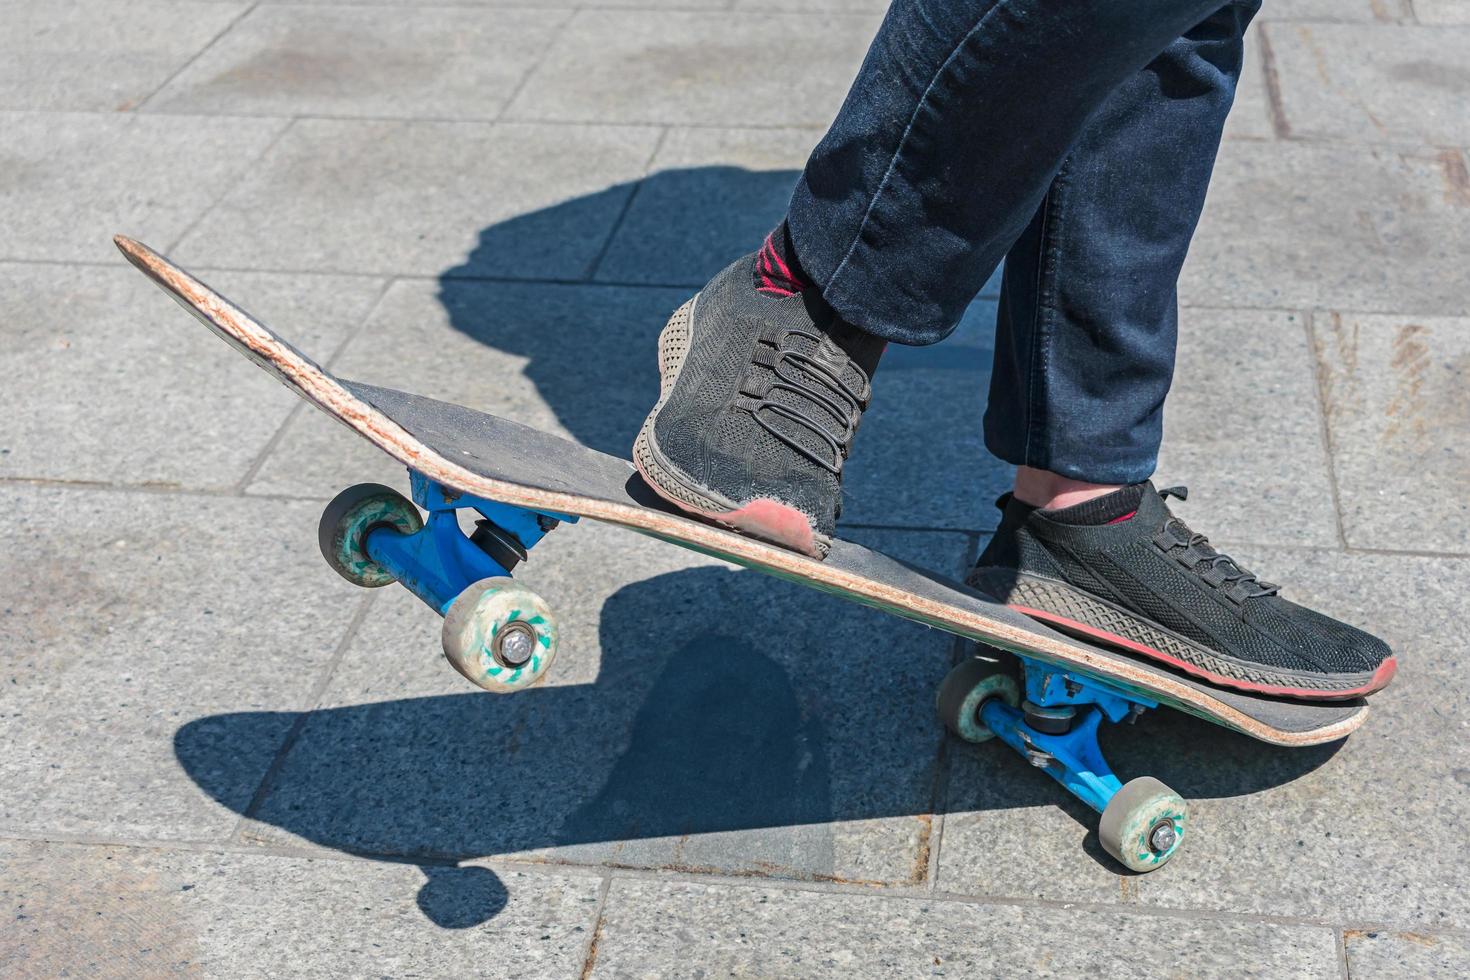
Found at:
(768, 397)
(1153, 567)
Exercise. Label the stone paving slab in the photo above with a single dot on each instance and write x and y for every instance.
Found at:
(1250, 115)
(527, 4)
(698, 718)
(1455, 12)
(694, 68)
(440, 62)
(1299, 225)
(1397, 392)
(100, 55)
(134, 389)
(651, 928)
(1351, 11)
(1373, 84)
(1372, 955)
(812, 6)
(1380, 11)
(130, 616)
(1303, 832)
(423, 198)
(73, 180)
(1243, 429)
(128, 912)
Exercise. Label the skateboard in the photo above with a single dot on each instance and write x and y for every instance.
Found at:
(1041, 692)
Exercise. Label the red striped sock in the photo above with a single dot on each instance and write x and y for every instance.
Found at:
(777, 273)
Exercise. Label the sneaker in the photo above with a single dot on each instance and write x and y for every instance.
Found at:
(760, 397)
(1145, 583)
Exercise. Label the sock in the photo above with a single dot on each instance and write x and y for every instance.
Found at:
(777, 272)
(1110, 508)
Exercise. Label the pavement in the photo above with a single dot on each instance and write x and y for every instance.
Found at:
(222, 760)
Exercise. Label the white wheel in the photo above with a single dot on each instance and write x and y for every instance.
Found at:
(500, 635)
(344, 526)
(965, 688)
(1143, 824)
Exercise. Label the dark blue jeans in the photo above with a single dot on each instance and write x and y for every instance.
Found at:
(1074, 139)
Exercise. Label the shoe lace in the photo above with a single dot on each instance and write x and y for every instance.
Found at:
(841, 405)
(1194, 552)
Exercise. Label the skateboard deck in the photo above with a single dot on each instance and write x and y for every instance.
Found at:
(500, 460)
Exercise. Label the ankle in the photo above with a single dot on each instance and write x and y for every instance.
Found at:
(1051, 491)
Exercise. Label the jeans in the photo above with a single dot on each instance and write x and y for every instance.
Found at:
(1074, 139)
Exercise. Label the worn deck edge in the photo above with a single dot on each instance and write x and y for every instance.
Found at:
(308, 380)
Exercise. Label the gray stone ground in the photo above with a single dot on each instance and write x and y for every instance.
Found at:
(220, 759)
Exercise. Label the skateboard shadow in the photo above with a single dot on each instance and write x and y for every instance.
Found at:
(736, 724)
(584, 335)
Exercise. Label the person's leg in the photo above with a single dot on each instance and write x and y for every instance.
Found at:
(1085, 343)
(941, 153)
(1087, 323)
(947, 142)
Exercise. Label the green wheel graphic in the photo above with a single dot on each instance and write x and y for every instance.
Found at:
(965, 688)
(348, 519)
(1143, 824)
(500, 635)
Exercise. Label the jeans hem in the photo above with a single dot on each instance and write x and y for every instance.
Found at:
(1119, 472)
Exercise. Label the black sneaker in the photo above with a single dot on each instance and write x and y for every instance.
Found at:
(760, 398)
(1144, 583)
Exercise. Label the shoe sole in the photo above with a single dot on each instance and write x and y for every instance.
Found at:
(764, 518)
(1078, 613)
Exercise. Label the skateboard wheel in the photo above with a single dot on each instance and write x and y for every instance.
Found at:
(345, 524)
(1143, 824)
(965, 688)
(500, 635)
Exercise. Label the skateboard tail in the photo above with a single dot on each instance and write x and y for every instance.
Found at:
(230, 323)
(310, 381)
(302, 375)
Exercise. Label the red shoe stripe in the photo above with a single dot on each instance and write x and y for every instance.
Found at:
(1380, 678)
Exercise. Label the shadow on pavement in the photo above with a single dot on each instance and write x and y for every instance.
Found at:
(734, 719)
